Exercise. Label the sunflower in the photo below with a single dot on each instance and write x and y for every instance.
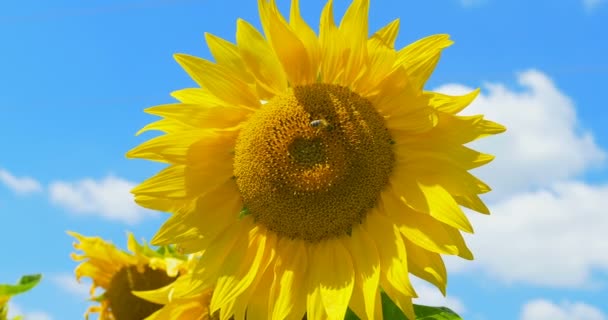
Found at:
(193, 306)
(119, 272)
(313, 172)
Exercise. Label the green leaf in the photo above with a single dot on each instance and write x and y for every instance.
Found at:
(391, 311)
(26, 283)
(350, 315)
(435, 313)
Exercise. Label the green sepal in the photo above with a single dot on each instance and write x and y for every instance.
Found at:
(244, 212)
(99, 298)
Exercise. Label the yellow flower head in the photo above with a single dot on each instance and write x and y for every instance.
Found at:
(313, 172)
(119, 272)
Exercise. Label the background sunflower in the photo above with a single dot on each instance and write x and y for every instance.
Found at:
(119, 273)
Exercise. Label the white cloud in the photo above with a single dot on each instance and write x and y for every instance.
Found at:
(15, 310)
(554, 237)
(20, 185)
(68, 283)
(109, 198)
(545, 229)
(541, 309)
(471, 3)
(543, 142)
(591, 5)
(431, 296)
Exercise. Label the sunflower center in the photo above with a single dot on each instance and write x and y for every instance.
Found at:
(312, 162)
(123, 304)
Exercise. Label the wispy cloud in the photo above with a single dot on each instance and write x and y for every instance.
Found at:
(14, 310)
(544, 142)
(431, 296)
(471, 3)
(556, 237)
(592, 5)
(20, 185)
(541, 309)
(67, 282)
(551, 221)
(109, 198)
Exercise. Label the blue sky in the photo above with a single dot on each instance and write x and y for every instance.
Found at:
(75, 77)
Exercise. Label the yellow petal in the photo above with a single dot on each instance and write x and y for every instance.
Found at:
(366, 262)
(388, 34)
(451, 104)
(221, 145)
(404, 107)
(314, 303)
(227, 55)
(426, 265)
(432, 199)
(212, 260)
(261, 61)
(202, 115)
(163, 205)
(290, 272)
(250, 256)
(197, 96)
(472, 202)
(332, 62)
(165, 126)
(210, 215)
(442, 170)
(168, 183)
(332, 268)
(420, 58)
(219, 81)
(452, 129)
(289, 48)
(421, 120)
(259, 287)
(160, 295)
(424, 230)
(394, 278)
(174, 147)
(181, 181)
(354, 31)
(381, 58)
(258, 306)
(455, 154)
(307, 36)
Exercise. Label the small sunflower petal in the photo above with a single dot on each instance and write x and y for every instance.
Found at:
(290, 272)
(261, 61)
(219, 81)
(421, 57)
(307, 36)
(432, 199)
(289, 48)
(426, 265)
(424, 230)
(366, 261)
(337, 280)
(451, 104)
(227, 55)
(354, 30)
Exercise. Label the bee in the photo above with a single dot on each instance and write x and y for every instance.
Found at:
(321, 124)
